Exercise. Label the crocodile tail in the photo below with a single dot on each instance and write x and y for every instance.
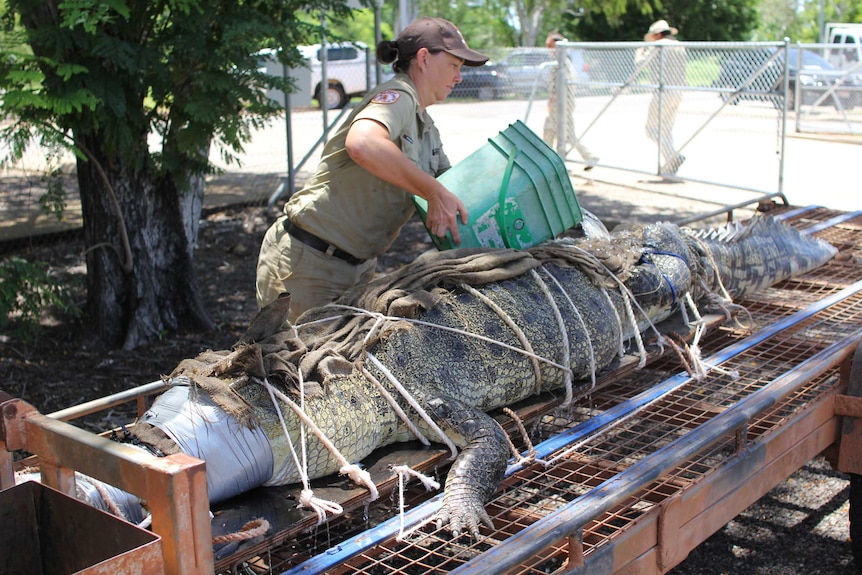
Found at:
(752, 256)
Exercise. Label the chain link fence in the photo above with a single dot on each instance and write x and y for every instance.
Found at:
(688, 111)
(826, 93)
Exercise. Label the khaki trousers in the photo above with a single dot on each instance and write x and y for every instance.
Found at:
(312, 278)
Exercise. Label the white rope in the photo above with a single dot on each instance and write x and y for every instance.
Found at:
(413, 403)
(561, 326)
(396, 407)
(711, 261)
(404, 473)
(320, 506)
(728, 307)
(684, 312)
(630, 314)
(519, 333)
(531, 450)
(569, 391)
(622, 349)
(690, 301)
(356, 474)
(701, 367)
(306, 497)
(403, 535)
(628, 298)
(360, 311)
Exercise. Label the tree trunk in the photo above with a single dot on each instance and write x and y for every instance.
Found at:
(135, 295)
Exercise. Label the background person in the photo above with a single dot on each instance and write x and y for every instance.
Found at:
(550, 132)
(388, 150)
(667, 68)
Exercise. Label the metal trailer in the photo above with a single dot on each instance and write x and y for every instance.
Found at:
(629, 480)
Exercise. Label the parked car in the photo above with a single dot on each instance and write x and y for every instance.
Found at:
(762, 71)
(526, 69)
(486, 82)
(346, 71)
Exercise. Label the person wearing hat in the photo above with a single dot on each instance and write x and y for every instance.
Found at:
(669, 70)
(549, 132)
(387, 151)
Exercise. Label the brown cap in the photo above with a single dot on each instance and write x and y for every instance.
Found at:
(437, 34)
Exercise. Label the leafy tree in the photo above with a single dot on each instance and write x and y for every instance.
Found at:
(697, 20)
(101, 78)
(806, 30)
(780, 18)
(485, 24)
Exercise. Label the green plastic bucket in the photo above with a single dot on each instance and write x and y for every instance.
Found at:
(517, 192)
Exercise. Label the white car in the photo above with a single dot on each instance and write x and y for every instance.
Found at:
(348, 72)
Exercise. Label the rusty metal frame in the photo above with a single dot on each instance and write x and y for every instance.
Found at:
(174, 487)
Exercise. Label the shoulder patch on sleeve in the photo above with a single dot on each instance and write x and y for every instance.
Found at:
(386, 97)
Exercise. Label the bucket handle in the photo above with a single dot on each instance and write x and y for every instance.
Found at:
(501, 204)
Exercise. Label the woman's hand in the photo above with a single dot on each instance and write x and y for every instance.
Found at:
(369, 146)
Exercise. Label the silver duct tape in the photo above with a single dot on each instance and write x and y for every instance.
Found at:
(237, 458)
(87, 492)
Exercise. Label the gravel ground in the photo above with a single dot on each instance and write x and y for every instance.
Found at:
(801, 527)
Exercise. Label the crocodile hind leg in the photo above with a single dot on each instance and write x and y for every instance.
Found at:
(478, 469)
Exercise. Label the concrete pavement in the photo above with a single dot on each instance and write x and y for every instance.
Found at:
(818, 169)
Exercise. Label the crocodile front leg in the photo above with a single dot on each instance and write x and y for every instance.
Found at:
(478, 469)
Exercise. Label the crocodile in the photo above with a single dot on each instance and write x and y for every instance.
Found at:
(460, 333)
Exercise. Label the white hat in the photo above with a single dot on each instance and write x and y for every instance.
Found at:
(660, 27)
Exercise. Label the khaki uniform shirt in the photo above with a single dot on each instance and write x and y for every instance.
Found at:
(348, 206)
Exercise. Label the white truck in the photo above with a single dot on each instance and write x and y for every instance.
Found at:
(848, 55)
(349, 72)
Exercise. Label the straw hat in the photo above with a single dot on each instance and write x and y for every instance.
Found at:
(660, 27)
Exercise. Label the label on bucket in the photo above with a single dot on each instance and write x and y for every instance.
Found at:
(484, 230)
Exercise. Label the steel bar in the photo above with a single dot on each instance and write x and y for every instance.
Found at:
(108, 401)
(174, 487)
(839, 219)
(390, 528)
(561, 523)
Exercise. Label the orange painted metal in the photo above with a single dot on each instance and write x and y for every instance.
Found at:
(55, 533)
(850, 407)
(693, 515)
(174, 487)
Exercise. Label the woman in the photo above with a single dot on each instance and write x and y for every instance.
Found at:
(361, 196)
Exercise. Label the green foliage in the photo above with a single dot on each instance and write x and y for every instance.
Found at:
(485, 25)
(53, 201)
(697, 21)
(116, 71)
(27, 291)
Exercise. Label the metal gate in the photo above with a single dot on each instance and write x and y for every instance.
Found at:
(827, 91)
(697, 111)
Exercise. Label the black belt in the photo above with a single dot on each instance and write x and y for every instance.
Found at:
(315, 242)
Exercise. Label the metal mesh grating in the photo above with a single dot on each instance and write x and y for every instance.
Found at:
(537, 491)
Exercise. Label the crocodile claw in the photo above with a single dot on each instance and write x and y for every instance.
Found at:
(460, 511)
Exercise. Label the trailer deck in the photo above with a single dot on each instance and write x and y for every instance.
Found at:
(628, 480)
